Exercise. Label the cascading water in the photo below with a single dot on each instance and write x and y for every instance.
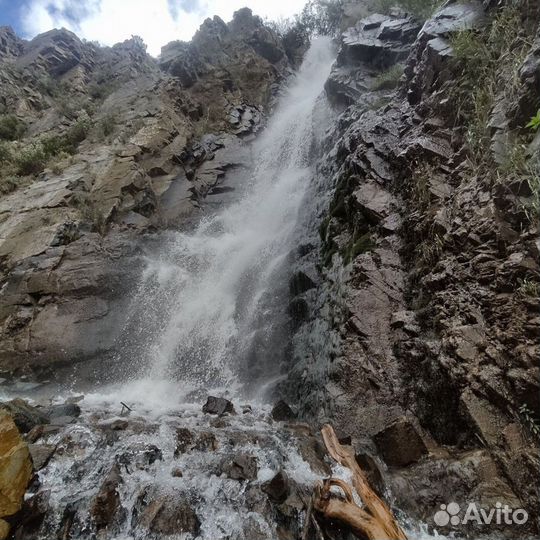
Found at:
(212, 292)
(210, 300)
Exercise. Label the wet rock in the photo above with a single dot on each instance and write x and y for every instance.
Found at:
(277, 488)
(61, 421)
(377, 40)
(405, 320)
(369, 466)
(454, 18)
(282, 412)
(177, 473)
(298, 310)
(400, 443)
(106, 504)
(186, 441)
(487, 421)
(15, 466)
(4, 529)
(28, 521)
(119, 425)
(218, 405)
(41, 454)
(24, 415)
(67, 409)
(151, 455)
(241, 467)
(300, 283)
(166, 514)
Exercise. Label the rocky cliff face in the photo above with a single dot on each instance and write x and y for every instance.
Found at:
(415, 302)
(430, 257)
(110, 144)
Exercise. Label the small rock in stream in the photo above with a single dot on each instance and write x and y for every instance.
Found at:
(41, 454)
(241, 467)
(107, 502)
(165, 515)
(217, 405)
(277, 488)
(60, 411)
(282, 412)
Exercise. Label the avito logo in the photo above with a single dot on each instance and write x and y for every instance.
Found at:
(451, 514)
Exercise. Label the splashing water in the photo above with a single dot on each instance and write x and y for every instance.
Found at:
(214, 289)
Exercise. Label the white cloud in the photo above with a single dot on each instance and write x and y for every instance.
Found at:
(112, 21)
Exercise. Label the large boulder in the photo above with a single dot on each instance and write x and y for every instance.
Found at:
(15, 468)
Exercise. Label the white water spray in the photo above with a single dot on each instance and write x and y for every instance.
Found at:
(211, 284)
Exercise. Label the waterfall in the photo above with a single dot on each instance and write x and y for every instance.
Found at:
(211, 305)
(210, 300)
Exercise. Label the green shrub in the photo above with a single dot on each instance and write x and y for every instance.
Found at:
(534, 124)
(360, 244)
(532, 209)
(388, 79)
(486, 56)
(31, 160)
(529, 288)
(5, 152)
(11, 128)
(107, 125)
(8, 184)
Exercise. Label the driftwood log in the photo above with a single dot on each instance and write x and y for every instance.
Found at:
(374, 520)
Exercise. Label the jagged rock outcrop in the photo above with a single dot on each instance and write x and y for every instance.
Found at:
(431, 273)
(114, 144)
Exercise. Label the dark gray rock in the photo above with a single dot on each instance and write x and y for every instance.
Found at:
(106, 504)
(219, 406)
(25, 416)
(41, 454)
(241, 467)
(400, 443)
(282, 412)
(277, 488)
(67, 409)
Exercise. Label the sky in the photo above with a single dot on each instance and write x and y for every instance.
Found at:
(110, 21)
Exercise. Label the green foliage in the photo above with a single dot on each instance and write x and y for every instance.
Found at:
(31, 160)
(429, 250)
(530, 420)
(532, 209)
(8, 184)
(388, 79)
(420, 183)
(319, 17)
(534, 124)
(360, 244)
(107, 125)
(89, 212)
(493, 56)
(11, 128)
(5, 152)
(530, 288)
